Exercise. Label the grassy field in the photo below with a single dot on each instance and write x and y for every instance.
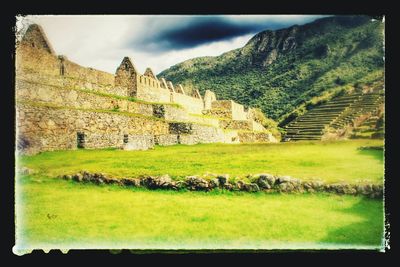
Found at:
(54, 213)
(329, 161)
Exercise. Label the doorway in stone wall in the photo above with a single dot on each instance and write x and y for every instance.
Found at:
(80, 139)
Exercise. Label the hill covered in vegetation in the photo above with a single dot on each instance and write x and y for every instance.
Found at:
(278, 71)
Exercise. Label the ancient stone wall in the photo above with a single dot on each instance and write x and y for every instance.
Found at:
(241, 125)
(235, 110)
(47, 128)
(204, 120)
(219, 113)
(170, 112)
(49, 94)
(34, 37)
(191, 104)
(40, 66)
(125, 78)
(256, 137)
(238, 112)
(192, 133)
(166, 139)
(209, 97)
(149, 89)
(202, 134)
(138, 142)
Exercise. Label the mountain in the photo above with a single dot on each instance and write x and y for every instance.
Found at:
(280, 70)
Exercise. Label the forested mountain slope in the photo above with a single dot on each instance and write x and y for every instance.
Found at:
(279, 70)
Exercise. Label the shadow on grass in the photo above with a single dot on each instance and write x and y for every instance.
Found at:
(376, 154)
(367, 233)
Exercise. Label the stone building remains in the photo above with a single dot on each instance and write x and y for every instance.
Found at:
(62, 105)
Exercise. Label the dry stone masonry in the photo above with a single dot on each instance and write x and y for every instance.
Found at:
(62, 105)
(267, 183)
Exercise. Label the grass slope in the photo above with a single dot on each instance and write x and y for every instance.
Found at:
(329, 161)
(53, 213)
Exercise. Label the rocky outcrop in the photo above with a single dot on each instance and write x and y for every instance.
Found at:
(266, 46)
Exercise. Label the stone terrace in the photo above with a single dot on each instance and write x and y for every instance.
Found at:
(337, 114)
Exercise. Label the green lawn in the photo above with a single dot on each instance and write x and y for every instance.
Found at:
(329, 161)
(54, 213)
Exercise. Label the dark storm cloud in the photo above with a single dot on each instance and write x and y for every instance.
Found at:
(202, 31)
(175, 34)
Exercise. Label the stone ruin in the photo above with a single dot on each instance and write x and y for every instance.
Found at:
(62, 105)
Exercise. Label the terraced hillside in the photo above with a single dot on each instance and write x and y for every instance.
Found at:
(370, 128)
(335, 116)
(368, 103)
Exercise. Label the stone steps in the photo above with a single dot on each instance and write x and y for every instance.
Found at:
(305, 128)
(309, 123)
(300, 138)
(314, 119)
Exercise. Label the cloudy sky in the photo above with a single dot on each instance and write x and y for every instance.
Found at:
(152, 41)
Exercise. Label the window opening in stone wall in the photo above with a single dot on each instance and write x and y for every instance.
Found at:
(126, 138)
(80, 138)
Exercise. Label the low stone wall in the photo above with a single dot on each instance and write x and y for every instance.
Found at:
(47, 128)
(262, 182)
(36, 92)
